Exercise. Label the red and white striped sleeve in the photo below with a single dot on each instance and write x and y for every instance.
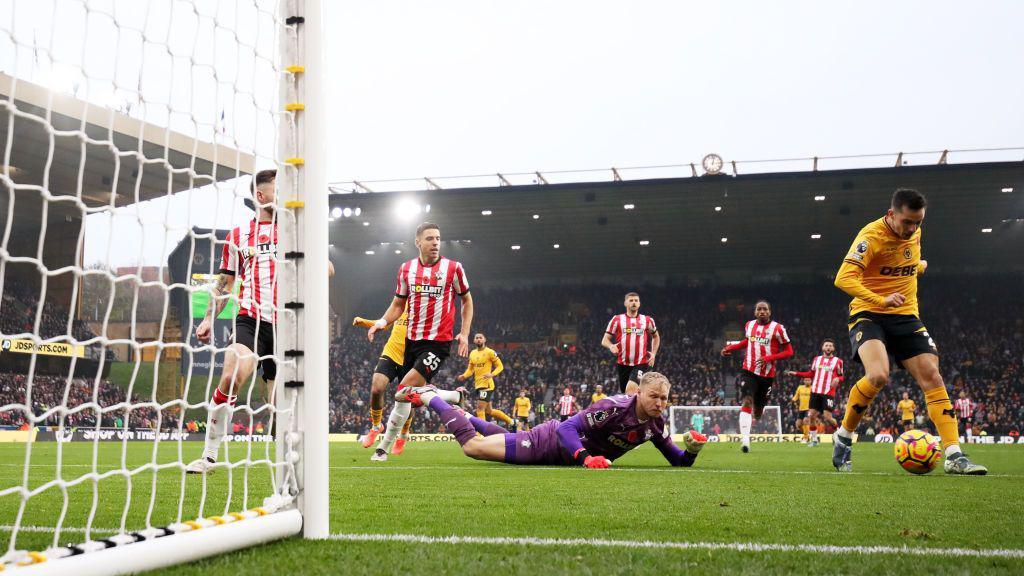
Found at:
(229, 256)
(781, 335)
(402, 288)
(651, 326)
(461, 282)
(613, 326)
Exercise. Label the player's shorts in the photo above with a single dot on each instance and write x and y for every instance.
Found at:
(564, 417)
(425, 356)
(801, 414)
(907, 423)
(757, 387)
(904, 335)
(262, 344)
(485, 395)
(821, 402)
(538, 446)
(389, 369)
(629, 374)
(524, 420)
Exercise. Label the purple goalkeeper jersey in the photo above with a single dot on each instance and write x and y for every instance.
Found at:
(608, 428)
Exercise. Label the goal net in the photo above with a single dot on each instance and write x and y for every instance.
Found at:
(130, 136)
(723, 422)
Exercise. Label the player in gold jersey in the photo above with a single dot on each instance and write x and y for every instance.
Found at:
(522, 411)
(802, 399)
(906, 408)
(483, 366)
(389, 368)
(880, 273)
(598, 394)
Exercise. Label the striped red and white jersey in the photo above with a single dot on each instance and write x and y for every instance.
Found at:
(248, 255)
(964, 408)
(827, 373)
(431, 294)
(630, 335)
(566, 405)
(763, 340)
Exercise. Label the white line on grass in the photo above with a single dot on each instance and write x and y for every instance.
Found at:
(51, 529)
(669, 469)
(733, 546)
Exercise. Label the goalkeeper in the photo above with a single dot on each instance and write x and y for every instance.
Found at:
(592, 438)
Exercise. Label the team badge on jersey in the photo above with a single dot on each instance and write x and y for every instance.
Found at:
(862, 247)
(595, 418)
(906, 253)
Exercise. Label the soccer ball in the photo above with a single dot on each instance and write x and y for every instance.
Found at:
(917, 451)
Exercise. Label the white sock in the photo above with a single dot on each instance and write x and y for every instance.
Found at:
(814, 435)
(970, 433)
(952, 449)
(396, 420)
(842, 431)
(217, 420)
(745, 422)
(449, 396)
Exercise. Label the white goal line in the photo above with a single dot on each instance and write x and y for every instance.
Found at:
(650, 544)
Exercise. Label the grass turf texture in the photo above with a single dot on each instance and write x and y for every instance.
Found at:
(782, 494)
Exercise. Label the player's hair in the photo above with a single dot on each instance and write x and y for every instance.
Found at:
(827, 340)
(655, 378)
(628, 294)
(759, 300)
(262, 177)
(908, 197)
(426, 226)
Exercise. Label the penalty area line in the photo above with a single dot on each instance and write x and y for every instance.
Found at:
(650, 544)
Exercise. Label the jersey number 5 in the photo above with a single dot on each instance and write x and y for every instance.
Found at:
(431, 361)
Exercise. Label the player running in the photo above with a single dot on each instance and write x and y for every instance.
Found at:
(906, 407)
(632, 355)
(593, 438)
(522, 411)
(965, 411)
(388, 369)
(567, 405)
(249, 258)
(880, 273)
(802, 401)
(483, 366)
(426, 284)
(826, 373)
(766, 342)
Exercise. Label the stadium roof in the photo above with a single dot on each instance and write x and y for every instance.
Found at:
(70, 116)
(767, 221)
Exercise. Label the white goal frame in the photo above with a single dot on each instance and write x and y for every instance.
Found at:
(673, 409)
(302, 342)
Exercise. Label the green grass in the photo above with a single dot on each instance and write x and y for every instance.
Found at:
(782, 494)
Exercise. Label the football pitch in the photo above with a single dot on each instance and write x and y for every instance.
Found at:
(780, 509)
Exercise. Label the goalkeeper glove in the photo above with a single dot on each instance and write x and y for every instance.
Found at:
(694, 441)
(596, 462)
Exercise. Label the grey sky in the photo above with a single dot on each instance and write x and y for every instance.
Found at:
(470, 86)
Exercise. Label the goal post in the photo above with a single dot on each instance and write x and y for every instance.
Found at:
(724, 421)
(137, 126)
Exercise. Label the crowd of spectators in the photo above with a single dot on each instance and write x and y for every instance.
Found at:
(21, 305)
(977, 323)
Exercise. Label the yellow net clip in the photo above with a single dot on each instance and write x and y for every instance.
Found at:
(295, 161)
(295, 204)
(293, 106)
(193, 525)
(33, 558)
(296, 69)
(259, 511)
(237, 516)
(218, 520)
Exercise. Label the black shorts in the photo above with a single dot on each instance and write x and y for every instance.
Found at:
(485, 395)
(757, 387)
(822, 402)
(262, 344)
(389, 369)
(907, 423)
(425, 356)
(563, 417)
(523, 419)
(904, 336)
(801, 414)
(629, 374)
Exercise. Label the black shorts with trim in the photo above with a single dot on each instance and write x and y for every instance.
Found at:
(389, 369)
(757, 387)
(485, 395)
(801, 414)
(523, 419)
(904, 335)
(425, 356)
(821, 402)
(629, 374)
(262, 344)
